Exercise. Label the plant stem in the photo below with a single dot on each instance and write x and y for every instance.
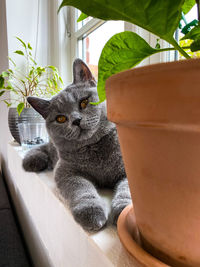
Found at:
(172, 48)
(180, 49)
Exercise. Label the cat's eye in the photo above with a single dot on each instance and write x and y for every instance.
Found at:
(84, 103)
(61, 118)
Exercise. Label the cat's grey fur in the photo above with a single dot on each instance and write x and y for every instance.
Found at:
(84, 151)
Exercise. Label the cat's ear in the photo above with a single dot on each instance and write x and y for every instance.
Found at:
(40, 105)
(82, 73)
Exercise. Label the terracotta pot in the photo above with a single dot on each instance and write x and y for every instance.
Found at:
(157, 112)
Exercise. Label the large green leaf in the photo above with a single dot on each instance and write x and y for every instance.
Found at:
(188, 5)
(123, 51)
(160, 17)
(195, 46)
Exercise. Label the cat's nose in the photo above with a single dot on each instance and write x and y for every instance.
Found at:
(76, 122)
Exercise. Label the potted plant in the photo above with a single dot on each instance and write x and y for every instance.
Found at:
(27, 80)
(157, 112)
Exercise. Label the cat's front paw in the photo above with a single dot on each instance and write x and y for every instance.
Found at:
(35, 161)
(117, 209)
(91, 216)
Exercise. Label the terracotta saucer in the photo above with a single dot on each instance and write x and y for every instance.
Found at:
(129, 236)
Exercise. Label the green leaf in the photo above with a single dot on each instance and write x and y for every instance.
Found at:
(9, 85)
(2, 92)
(15, 91)
(21, 80)
(19, 52)
(5, 74)
(10, 59)
(20, 107)
(188, 5)
(53, 68)
(33, 61)
(1, 81)
(159, 17)
(31, 72)
(9, 70)
(49, 82)
(82, 17)
(41, 69)
(24, 45)
(54, 82)
(157, 43)
(123, 51)
(195, 46)
(6, 102)
(29, 46)
(194, 34)
(60, 79)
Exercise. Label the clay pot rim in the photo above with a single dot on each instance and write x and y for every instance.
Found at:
(130, 244)
(185, 64)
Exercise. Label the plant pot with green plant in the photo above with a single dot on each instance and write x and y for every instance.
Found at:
(157, 112)
(27, 80)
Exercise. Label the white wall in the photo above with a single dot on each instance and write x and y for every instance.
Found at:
(29, 20)
(37, 22)
(21, 18)
(5, 136)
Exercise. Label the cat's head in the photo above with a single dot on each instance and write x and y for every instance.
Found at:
(69, 115)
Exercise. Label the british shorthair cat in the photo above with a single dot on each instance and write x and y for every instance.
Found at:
(83, 150)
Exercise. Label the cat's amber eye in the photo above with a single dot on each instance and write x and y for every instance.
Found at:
(84, 103)
(61, 118)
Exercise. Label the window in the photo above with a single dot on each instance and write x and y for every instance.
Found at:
(90, 36)
(91, 45)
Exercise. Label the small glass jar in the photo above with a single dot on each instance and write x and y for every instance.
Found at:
(29, 128)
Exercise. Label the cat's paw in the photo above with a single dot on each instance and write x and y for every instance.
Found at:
(91, 216)
(35, 161)
(117, 209)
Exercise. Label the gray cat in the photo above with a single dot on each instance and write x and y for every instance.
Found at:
(84, 150)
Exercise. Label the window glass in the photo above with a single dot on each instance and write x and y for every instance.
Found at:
(83, 22)
(91, 45)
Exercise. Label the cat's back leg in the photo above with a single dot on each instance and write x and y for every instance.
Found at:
(37, 159)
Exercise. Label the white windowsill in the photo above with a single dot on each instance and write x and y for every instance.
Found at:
(53, 237)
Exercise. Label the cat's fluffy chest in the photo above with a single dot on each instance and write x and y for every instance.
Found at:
(99, 161)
